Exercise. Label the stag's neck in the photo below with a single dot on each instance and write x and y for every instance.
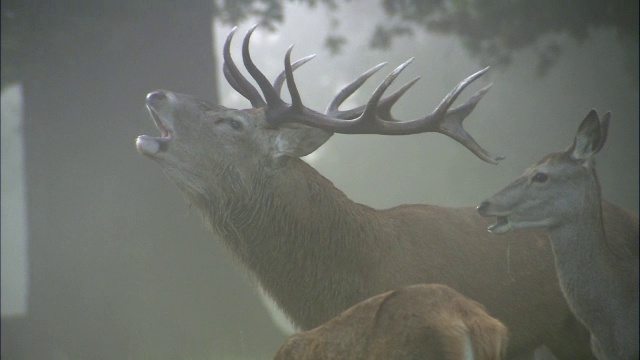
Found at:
(303, 239)
(586, 266)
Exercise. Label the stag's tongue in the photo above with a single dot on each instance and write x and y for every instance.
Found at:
(151, 145)
(501, 226)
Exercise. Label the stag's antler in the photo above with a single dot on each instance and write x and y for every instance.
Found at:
(373, 118)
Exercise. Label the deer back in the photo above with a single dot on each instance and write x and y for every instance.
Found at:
(426, 321)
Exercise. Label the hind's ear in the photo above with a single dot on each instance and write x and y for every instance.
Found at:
(591, 136)
(604, 129)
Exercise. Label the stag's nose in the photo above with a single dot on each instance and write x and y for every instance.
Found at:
(482, 208)
(156, 96)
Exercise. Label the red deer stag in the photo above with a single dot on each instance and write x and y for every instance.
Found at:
(425, 321)
(598, 272)
(315, 251)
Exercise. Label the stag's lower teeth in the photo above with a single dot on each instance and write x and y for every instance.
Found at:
(501, 226)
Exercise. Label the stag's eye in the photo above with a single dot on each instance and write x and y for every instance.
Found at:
(235, 124)
(540, 177)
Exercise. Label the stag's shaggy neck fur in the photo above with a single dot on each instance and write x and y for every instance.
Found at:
(299, 236)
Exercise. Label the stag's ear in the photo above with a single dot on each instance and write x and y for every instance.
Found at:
(591, 136)
(299, 140)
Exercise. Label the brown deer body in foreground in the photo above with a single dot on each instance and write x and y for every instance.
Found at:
(316, 252)
(598, 269)
(427, 322)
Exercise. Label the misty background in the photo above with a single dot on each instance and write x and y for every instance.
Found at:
(102, 258)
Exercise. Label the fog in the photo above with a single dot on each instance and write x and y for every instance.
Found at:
(117, 265)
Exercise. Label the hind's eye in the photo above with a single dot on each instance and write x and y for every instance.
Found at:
(540, 177)
(235, 124)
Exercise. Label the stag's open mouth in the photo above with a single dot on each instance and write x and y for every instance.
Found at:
(152, 145)
(501, 226)
(166, 134)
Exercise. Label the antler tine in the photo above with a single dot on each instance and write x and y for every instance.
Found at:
(372, 106)
(385, 105)
(296, 102)
(348, 90)
(279, 81)
(445, 121)
(451, 125)
(273, 99)
(245, 92)
(231, 80)
(455, 92)
(235, 78)
(279, 112)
